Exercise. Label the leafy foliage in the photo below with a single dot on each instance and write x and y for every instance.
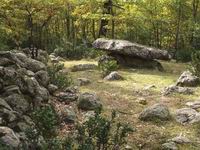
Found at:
(107, 67)
(46, 121)
(57, 77)
(101, 133)
(4, 147)
(196, 63)
(97, 133)
(68, 25)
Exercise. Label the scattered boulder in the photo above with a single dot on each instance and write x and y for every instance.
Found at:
(169, 146)
(83, 81)
(113, 76)
(52, 88)
(155, 112)
(8, 137)
(187, 79)
(83, 67)
(187, 115)
(176, 89)
(194, 105)
(89, 101)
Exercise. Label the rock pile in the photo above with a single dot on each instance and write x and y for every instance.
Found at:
(23, 86)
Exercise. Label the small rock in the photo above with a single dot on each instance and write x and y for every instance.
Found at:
(128, 147)
(113, 76)
(149, 87)
(83, 67)
(83, 81)
(193, 105)
(187, 79)
(176, 89)
(180, 140)
(187, 115)
(155, 112)
(64, 71)
(89, 101)
(67, 96)
(52, 88)
(68, 115)
(142, 101)
(9, 138)
(169, 146)
(73, 89)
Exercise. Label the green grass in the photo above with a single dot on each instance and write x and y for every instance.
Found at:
(123, 95)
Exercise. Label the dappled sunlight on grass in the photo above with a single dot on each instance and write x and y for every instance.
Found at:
(69, 64)
(123, 95)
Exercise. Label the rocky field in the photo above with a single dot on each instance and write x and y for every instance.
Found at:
(162, 107)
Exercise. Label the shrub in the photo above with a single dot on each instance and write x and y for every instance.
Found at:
(196, 63)
(184, 55)
(58, 78)
(107, 67)
(101, 133)
(4, 147)
(46, 121)
(97, 133)
(69, 50)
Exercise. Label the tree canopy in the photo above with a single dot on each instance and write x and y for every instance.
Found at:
(168, 24)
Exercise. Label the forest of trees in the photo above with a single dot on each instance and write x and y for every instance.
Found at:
(48, 24)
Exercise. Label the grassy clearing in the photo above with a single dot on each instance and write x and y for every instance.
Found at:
(123, 96)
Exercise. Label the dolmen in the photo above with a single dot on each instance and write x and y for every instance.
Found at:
(132, 54)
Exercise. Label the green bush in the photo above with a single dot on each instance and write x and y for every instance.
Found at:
(4, 147)
(196, 63)
(107, 67)
(101, 133)
(184, 55)
(98, 133)
(58, 78)
(69, 50)
(46, 121)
